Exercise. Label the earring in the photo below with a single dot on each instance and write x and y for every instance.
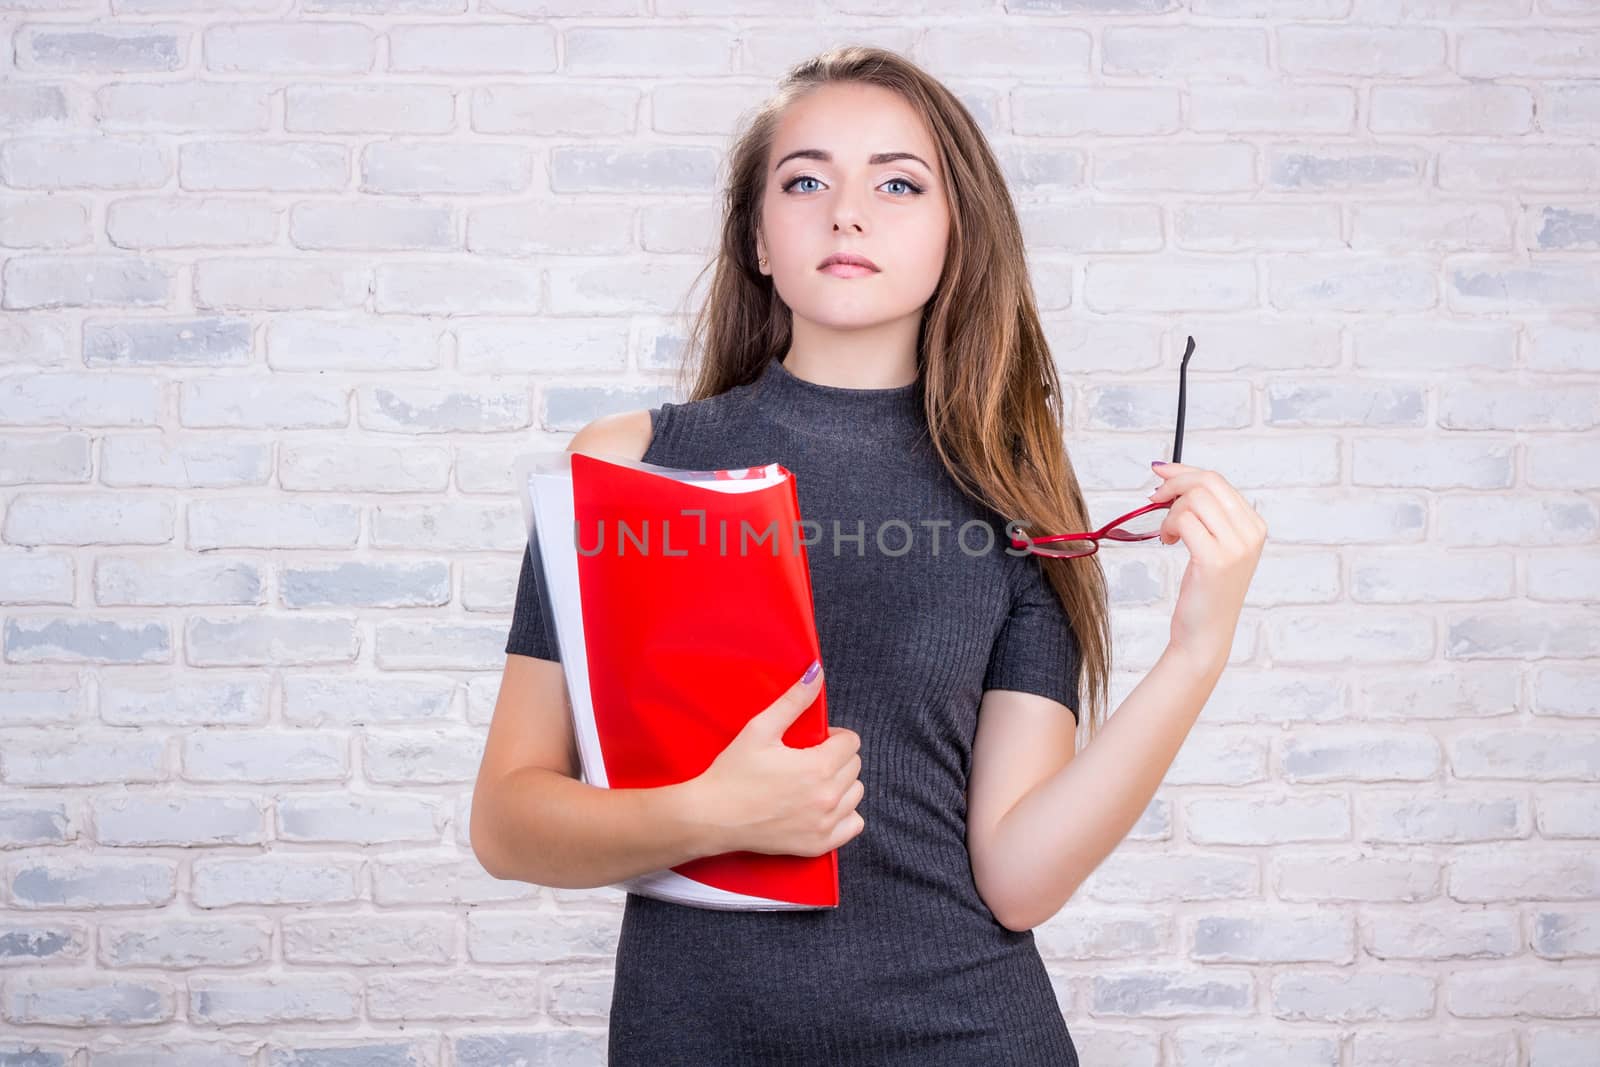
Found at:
(763, 262)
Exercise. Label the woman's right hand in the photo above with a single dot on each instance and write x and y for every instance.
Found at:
(766, 796)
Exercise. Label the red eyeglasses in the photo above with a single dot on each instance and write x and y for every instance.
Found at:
(1138, 525)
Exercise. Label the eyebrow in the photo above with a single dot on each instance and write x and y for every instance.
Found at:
(872, 160)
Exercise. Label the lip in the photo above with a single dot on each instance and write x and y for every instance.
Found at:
(849, 259)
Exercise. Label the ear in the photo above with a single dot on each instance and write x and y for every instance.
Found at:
(761, 249)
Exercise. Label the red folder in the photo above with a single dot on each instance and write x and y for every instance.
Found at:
(682, 606)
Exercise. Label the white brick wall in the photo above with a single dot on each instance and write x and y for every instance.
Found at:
(287, 285)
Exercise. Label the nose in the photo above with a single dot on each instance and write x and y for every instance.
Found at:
(846, 212)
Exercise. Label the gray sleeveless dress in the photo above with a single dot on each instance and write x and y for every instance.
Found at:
(919, 609)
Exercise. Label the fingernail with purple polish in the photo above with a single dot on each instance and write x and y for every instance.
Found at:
(812, 671)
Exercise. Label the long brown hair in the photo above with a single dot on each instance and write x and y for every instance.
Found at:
(994, 405)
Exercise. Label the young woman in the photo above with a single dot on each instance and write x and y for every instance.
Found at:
(914, 398)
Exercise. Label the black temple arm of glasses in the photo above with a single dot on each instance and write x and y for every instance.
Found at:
(1183, 391)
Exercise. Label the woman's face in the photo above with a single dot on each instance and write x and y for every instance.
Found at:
(893, 211)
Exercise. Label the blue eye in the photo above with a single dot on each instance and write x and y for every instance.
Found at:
(916, 190)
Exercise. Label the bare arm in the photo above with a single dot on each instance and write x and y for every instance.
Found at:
(533, 820)
(1031, 851)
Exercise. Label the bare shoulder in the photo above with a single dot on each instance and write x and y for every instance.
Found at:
(622, 433)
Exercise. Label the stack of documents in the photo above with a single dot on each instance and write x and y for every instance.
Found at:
(682, 606)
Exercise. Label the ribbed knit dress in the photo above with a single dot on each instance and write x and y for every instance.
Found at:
(919, 609)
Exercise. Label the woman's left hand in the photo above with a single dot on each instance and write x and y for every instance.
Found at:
(1224, 534)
